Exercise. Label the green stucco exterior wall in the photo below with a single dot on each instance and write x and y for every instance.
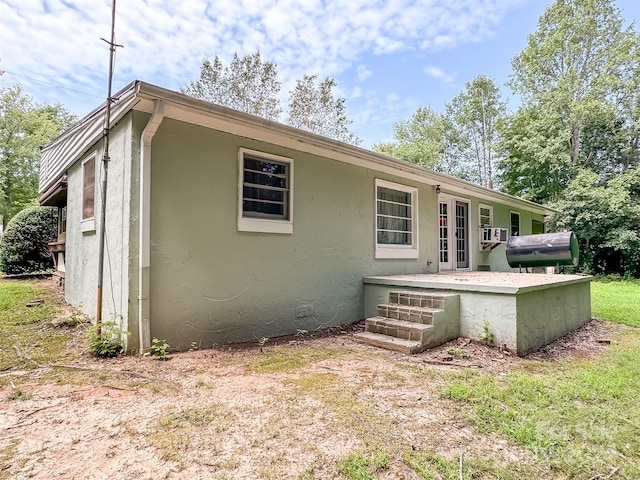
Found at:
(82, 246)
(211, 284)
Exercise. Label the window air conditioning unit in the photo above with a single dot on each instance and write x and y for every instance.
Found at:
(494, 235)
(491, 237)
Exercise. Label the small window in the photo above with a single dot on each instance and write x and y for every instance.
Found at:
(62, 220)
(88, 188)
(486, 216)
(537, 226)
(514, 229)
(396, 220)
(265, 193)
(88, 222)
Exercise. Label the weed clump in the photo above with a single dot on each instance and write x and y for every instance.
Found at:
(106, 339)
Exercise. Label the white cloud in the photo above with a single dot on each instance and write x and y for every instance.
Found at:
(363, 73)
(164, 42)
(440, 74)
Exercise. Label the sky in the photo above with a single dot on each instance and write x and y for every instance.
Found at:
(389, 57)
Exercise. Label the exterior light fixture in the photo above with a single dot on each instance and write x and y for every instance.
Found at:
(438, 189)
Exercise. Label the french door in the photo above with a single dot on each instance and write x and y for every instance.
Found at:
(453, 231)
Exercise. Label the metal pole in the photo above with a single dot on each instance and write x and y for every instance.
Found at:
(105, 165)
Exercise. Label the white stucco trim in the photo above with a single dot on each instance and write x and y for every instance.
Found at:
(88, 225)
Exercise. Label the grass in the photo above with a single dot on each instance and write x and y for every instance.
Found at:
(363, 466)
(580, 419)
(616, 301)
(432, 466)
(27, 338)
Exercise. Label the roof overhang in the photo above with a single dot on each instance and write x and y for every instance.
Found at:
(56, 194)
(140, 96)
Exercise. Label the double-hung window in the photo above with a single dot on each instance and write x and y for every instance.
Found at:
(88, 194)
(265, 193)
(396, 220)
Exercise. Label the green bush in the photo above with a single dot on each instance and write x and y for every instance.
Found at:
(106, 339)
(24, 245)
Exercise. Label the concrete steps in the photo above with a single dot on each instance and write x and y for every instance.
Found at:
(389, 343)
(413, 321)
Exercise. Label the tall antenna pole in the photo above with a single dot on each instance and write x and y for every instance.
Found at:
(105, 164)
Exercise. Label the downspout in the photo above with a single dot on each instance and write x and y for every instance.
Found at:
(144, 255)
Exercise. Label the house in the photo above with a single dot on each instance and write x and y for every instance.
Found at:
(223, 227)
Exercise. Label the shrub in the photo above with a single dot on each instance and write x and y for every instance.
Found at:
(24, 245)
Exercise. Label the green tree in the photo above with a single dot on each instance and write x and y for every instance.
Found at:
(24, 127)
(606, 220)
(629, 110)
(475, 113)
(249, 84)
(533, 165)
(604, 145)
(314, 107)
(574, 63)
(460, 142)
(419, 140)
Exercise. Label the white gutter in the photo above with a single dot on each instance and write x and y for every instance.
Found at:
(144, 324)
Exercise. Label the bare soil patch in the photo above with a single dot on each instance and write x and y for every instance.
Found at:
(291, 409)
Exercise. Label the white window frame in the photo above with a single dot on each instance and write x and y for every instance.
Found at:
(264, 225)
(488, 207)
(88, 224)
(512, 212)
(62, 220)
(397, 251)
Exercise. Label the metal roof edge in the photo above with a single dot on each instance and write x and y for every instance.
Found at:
(62, 152)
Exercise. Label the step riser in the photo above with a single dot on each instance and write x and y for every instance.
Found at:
(397, 332)
(416, 299)
(405, 313)
(389, 344)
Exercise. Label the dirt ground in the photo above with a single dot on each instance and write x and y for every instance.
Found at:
(291, 409)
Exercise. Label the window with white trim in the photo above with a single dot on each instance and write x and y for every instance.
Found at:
(265, 193)
(62, 220)
(485, 215)
(88, 223)
(88, 188)
(396, 220)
